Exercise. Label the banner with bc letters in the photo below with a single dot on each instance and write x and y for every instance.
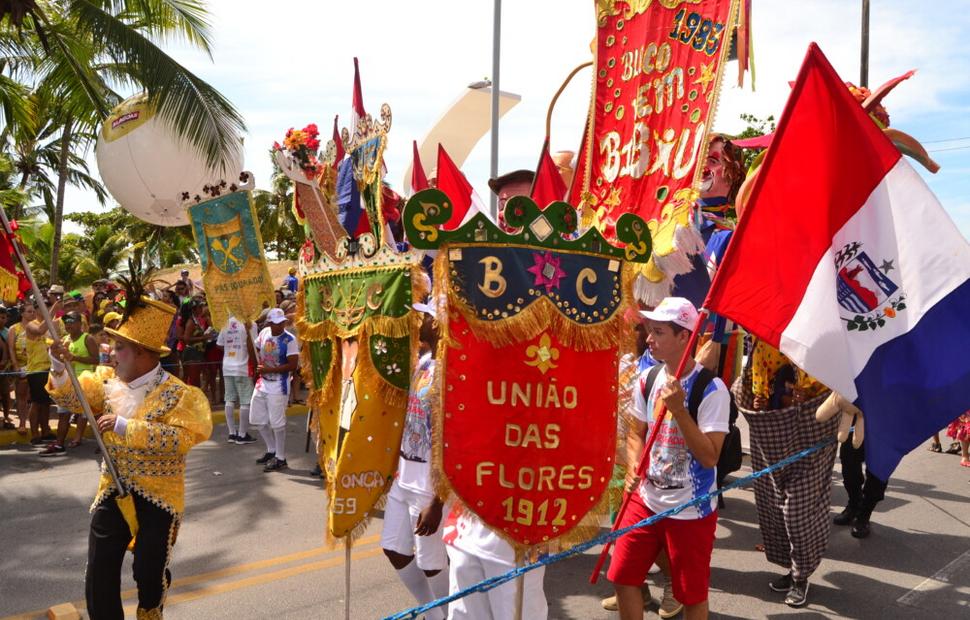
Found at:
(533, 325)
(658, 73)
(234, 270)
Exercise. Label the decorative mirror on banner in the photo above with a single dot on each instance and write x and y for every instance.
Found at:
(234, 270)
(535, 323)
(658, 75)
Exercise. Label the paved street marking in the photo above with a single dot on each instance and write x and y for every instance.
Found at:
(232, 570)
(258, 580)
(939, 580)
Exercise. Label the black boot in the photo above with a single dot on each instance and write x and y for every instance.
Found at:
(847, 516)
(860, 527)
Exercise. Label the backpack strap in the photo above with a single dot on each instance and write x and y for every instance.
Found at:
(651, 380)
(696, 396)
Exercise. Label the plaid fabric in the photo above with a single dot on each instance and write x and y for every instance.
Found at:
(793, 502)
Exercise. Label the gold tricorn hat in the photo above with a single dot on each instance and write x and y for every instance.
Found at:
(147, 326)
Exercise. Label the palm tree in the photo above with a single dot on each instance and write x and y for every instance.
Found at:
(38, 238)
(104, 250)
(77, 50)
(282, 234)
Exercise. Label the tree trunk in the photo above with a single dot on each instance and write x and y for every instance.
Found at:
(62, 170)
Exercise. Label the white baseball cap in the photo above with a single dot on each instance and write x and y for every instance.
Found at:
(675, 310)
(276, 315)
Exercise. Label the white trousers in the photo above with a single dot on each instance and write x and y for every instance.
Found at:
(498, 603)
(401, 518)
(268, 410)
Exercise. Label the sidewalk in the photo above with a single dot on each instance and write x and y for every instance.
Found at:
(11, 437)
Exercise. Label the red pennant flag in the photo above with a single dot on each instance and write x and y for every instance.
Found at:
(418, 179)
(454, 184)
(548, 186)
(358, 101)
(337, 141)
(12, 284)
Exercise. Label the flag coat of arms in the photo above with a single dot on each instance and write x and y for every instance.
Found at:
(846, 262)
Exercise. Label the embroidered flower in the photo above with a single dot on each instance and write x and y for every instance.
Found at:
(380, 347)
(393, 369)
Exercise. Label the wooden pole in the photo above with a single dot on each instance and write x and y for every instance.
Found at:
(85, 407)
(347, 577)
(864, 60)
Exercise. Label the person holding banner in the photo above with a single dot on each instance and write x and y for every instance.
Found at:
(149, 421)
(411, 537)
(682, 467)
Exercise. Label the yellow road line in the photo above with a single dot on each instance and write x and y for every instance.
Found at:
(264, 578)
(223, 572)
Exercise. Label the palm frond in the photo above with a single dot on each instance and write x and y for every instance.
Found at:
(197, 110)
(167, 20)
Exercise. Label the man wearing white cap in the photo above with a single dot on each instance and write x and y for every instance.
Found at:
(683, 464)
(411, 537)
(277, 356)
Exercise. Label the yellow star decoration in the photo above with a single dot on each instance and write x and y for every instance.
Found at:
(707, 76)
(543, 355)
(613, 200)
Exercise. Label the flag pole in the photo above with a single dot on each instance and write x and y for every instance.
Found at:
(496, 56)
(645, 455)
(864, 60)
(85, 406)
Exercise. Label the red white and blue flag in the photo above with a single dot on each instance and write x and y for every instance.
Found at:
(846, 262)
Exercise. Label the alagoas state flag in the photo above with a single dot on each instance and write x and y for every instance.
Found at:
(846, 262)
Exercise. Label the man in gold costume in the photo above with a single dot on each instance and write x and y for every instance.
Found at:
(149, 420)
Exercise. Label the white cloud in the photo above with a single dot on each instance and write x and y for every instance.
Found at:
(292, 64)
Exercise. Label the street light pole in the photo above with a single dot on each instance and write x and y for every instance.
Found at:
(496, 41)
(864, 63)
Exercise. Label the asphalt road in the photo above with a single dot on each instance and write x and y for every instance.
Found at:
(251, 546)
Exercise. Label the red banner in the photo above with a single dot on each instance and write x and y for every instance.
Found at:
(659, 66)
(529, 431)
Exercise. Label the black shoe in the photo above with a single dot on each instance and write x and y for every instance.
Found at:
(54, 450)
(276, 464)
(846, 517)
(782, 584)
(860, 529)
(798, 594)
(245, 439)
(316, 472)
(266, 458)
(232, 438)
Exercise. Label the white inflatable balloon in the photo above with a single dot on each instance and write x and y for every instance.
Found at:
(147, 167)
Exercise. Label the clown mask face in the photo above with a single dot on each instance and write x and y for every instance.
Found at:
(713, 182)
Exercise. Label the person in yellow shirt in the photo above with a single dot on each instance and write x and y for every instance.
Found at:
(37, 367)
(149, 420)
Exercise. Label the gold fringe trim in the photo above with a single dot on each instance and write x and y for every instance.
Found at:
(589, 525)
(539, 316)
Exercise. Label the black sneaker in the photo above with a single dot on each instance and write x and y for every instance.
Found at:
(860, 529)
(54, 450)
(245, 439)
(798, 594)
(846, 517)
(232, 438)
(275, 464)
(317, 472)
(266, 458)
(782, 584)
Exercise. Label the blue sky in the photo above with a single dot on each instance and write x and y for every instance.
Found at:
(289, 63)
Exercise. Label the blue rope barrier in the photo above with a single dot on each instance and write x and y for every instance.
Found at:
(494, 582)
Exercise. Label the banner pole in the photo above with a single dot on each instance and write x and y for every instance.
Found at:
(347, 578)
(645, 456)
(85, 406)
(519, 591)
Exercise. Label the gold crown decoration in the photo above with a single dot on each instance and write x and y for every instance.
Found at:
(147, 326)
(366, 145)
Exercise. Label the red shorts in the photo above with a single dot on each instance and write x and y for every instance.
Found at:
(688, 542)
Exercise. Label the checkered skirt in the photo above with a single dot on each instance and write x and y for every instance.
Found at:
(792, 502)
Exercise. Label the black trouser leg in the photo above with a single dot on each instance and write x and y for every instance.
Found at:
(873, 492)
(852, 476)
(108, 539)
(156, 535)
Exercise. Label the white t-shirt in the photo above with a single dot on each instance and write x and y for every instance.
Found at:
(272, 351)
(674, 476)
(235, 357)
(414, 464)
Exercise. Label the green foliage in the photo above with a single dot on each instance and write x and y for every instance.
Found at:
(756, 127)
(282, 234)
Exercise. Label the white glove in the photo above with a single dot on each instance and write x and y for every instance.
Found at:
(851, 415)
